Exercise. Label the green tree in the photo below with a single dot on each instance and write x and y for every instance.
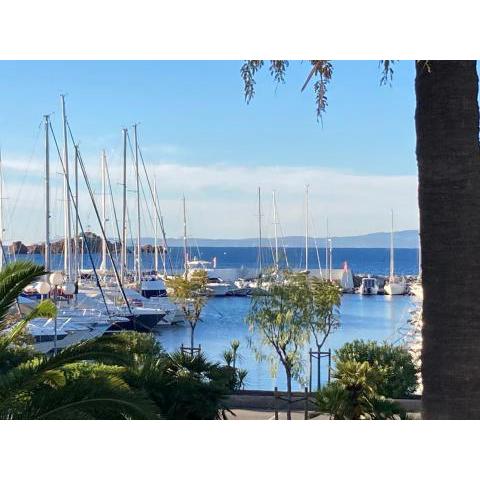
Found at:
(235, 345)
(353, 394)
(448, 157)
(399, 374)
(278, 319)
(324, 299)
(190, 294)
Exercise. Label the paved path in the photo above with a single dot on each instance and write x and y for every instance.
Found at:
(244, 414)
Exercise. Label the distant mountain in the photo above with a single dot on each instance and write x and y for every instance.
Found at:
(403, 239)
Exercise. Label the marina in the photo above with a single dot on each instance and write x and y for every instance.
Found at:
(109, 278)
(369, 317)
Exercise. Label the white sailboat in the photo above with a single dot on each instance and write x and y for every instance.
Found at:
(138, 259)
(256, 284)
(215, 286)
(153, 284)
(394, 285)
(103, 264)
(306, 229)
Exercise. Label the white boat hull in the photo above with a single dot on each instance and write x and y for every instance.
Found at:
(395, 288)
(72, 337)
(218, 289)
(368, 291)
(369, 286)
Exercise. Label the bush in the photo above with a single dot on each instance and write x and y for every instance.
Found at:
(399, 374)
(183, 387)
(353, 395)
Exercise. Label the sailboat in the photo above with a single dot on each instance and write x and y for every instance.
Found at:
(394, 285)
(215, 286)
(258, 284)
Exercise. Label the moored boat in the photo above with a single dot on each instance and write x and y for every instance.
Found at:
(369, 286)
(395, 285)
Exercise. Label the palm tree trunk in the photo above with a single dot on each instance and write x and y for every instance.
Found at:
(448, 155)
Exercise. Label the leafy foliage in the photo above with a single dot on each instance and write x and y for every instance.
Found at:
(72, 384)
(231, 356)
(14, 277)
(324, 299)
(235, 345)
(241, 378)
(279, 319)
(321, 71)
(248, 71)
(190, 294)
(228, 357)
(387, 71)
(399, 374)
(353, 395)
(295, 307)
(125, 376)
(183, 386)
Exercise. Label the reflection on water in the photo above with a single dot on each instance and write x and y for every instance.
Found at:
(362, 317)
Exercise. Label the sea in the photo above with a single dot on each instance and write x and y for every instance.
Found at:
(380, 318)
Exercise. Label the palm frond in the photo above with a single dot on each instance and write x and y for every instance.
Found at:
(104, 396)
(45, 309)
(13, 279)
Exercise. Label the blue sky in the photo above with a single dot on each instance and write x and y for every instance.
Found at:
(200, 138)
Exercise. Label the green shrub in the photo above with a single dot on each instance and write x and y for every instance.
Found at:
(353, 394)
(183, 387)
(394, 362)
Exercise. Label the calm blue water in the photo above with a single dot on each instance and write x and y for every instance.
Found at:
(377, 318)
(360, 260)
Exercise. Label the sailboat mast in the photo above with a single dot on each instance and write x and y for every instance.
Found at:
(327, 256)
(47, 193)
(155, 245)
(75, 241)
(391, 252)
(139, 248)
(103, 266)
(67, 218)
(259, 232)
(306, 227)
(275, 223)
(185, 254)
(123, 266)
(330, 255)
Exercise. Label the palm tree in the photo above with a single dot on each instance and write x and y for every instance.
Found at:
(182, 386)
(353, 395)
(234, 345)
(447, 124)
(448, 156)
(74, 383)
